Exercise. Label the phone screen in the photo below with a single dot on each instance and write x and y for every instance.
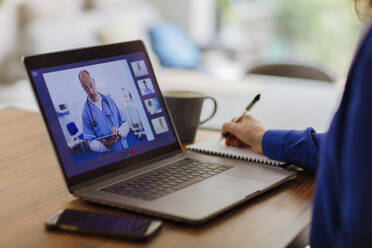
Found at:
(102, 223)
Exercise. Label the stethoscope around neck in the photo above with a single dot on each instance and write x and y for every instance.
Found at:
(93, 121)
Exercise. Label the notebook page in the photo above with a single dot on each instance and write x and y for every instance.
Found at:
(214, 147)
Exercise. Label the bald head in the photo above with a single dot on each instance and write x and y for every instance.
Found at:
(89, 85)
(82, 74)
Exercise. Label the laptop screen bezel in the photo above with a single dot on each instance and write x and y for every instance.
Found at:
(85, 54)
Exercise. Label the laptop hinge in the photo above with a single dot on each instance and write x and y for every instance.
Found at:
(122, 171)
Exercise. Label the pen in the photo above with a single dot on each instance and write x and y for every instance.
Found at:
(250, 105)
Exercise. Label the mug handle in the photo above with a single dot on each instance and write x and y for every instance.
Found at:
(214, 109)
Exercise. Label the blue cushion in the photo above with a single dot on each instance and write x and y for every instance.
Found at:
(173, 47)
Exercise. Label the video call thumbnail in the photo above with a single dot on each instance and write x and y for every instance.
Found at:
(160, 125)
(139, 68)
(153, 106)
(146, 86)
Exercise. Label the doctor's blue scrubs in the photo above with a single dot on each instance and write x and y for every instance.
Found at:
(110, 116)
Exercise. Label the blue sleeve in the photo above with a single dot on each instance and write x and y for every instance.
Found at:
(298, 147)
(87, 125)
(356, 165)
(121, 117)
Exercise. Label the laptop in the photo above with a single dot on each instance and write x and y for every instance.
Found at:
(114, 150)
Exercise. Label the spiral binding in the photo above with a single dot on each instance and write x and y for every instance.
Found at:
(232, 156)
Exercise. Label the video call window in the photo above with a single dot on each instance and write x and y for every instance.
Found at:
(139, 68)
(146, 86)
(98, 108)
(153, 106)
(160, 125)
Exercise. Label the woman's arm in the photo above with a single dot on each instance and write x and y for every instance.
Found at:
(297, 147)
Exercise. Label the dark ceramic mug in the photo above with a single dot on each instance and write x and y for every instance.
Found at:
(185, 109)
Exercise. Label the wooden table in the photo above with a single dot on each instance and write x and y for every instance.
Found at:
(32, 188)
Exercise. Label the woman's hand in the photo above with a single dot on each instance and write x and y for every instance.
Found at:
(247, 132)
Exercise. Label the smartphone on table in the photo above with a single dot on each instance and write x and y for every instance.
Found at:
(128, 227)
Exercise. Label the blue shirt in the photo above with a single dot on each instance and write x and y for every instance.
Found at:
(110, 116)
(342, 157)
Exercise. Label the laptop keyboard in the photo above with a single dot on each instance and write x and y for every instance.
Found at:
(168, 179)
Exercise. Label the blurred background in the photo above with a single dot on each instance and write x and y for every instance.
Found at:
(223, 40)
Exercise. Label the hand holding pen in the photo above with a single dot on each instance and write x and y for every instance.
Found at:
(245, 130)
(249, 106)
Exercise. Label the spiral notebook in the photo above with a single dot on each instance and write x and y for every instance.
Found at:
(216, 148)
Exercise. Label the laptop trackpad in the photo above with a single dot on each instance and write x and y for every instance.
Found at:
(222, 188)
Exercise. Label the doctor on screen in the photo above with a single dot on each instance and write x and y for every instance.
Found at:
(102, 118)
(147, 90)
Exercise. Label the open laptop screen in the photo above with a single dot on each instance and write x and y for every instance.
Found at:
(102, 111)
